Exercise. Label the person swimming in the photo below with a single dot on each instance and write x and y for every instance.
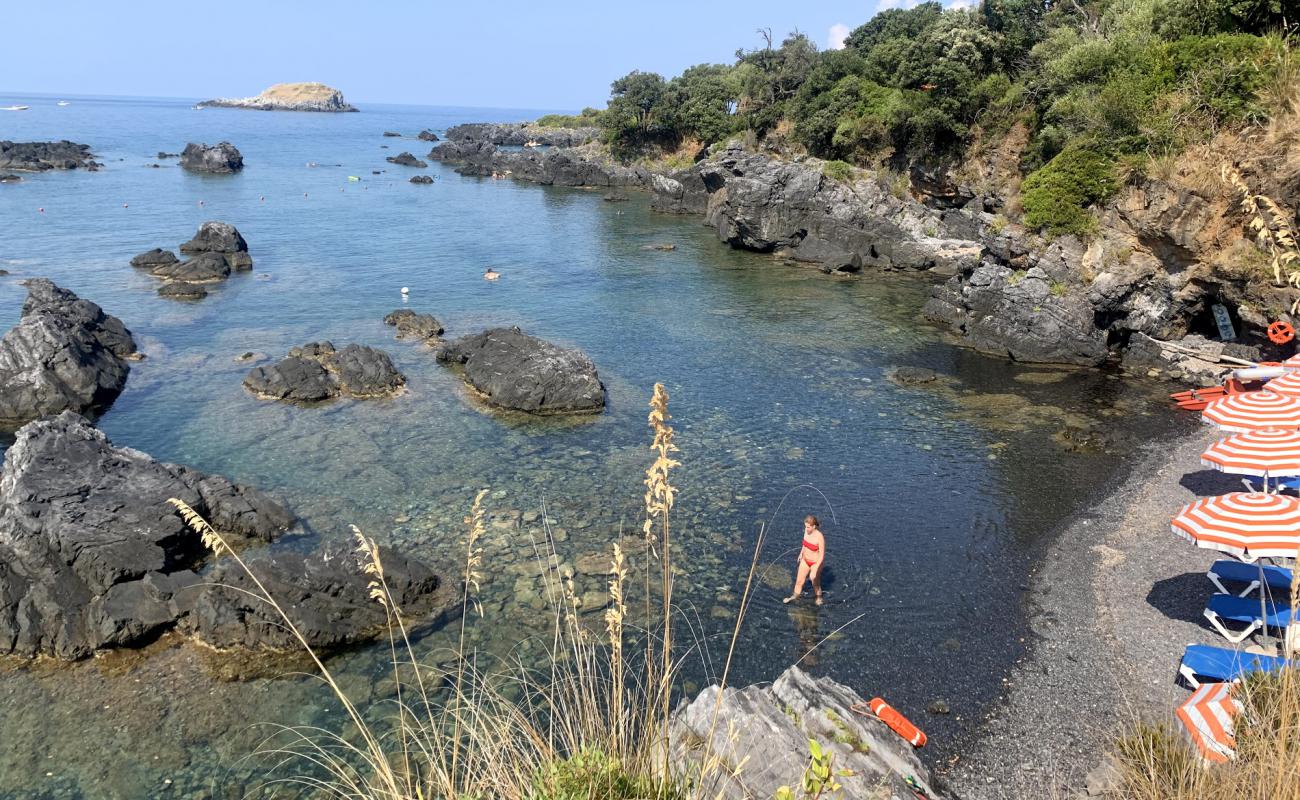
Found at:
(811, 557)
(491, 274)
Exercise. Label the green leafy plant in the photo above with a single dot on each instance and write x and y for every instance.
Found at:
(818, 777)
(838, 171)
(1055, 197)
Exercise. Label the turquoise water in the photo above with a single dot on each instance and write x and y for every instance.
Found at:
(935, 499)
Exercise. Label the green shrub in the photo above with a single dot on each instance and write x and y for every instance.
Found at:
(590, 117)
(1055, 196)
(595, 775)
(838, 171)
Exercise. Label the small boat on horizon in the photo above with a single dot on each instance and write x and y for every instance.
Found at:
(63, 103)
(14, 108)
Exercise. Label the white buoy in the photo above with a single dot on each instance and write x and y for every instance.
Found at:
(405, 290)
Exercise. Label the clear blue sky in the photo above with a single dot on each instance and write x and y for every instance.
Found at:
(540, 55)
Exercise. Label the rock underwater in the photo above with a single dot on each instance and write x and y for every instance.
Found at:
(92, 556)
(65, 353)
(513, 370)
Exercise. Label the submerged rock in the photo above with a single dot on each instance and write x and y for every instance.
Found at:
(8, 178)
(760, 735)
(222, 158)
(64, 353)
(317, 371)
(409, 323)
(406, 160)
(152, 259)
(422, 179)
(392, 133)
(516, 371)
(288, 97)
(182, 291)
(427, 136)
(42, 156)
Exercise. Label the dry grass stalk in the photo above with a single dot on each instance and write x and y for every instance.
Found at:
(1273, 232)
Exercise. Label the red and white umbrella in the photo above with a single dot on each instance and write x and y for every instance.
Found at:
(1270, 452)
(1249, 525)
(1251, 411)
(1288, 384)
(1207, 715)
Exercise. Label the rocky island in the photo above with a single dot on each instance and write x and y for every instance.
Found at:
(43, 156)
(288, 97)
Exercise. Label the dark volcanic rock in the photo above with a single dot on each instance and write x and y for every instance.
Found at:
(392, 133)
(182, 291)
(427, 136)
(517, 371)
(327, 592)
(91, 553)
(222, 158)
(92, 556)
(152, 259)
(65, 353)
(317, 371)
(406, 160)
(422, 179)
(42, 156)
(162, 155)
(519, 134)
(4, 178)
(224, 238)
(203, 268)
(409, 323)
(579, 166)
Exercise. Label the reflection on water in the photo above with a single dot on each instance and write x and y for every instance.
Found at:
(933, 498)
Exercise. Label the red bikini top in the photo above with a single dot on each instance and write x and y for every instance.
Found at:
(811, 546)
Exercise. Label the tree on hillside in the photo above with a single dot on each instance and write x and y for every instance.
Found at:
(635, 103)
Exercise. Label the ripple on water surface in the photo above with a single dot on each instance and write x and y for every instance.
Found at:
(934, 497)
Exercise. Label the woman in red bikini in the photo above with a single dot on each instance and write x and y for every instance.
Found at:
(811, 557)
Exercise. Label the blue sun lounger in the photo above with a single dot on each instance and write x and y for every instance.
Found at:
(1229, 570)
(1221, 664)
(1246, 611)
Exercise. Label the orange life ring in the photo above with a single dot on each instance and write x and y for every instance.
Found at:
(1280, 332)
(897, 722)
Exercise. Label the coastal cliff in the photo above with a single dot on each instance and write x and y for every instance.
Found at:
(288, 97)
(1159, 262)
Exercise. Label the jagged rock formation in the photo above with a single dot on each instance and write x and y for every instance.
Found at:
(761, 739)
(518, 134)
(42, 156)
(584, 166)
(513, 370)
(406, 160)
(216, 249)
(222, 158)
(317, 372)
(92, 556)
(409, 323)
(288, 97)
(422, 179)
(427, 136)
(64, 353)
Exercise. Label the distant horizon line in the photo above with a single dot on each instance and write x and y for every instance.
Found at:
(6, 93)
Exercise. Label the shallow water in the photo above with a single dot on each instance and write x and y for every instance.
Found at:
(934, 499)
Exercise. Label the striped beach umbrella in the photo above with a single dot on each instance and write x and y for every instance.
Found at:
(1288, 384)
(1248, 525)
(1270, 452)
(1251, 411)
(1207, 716)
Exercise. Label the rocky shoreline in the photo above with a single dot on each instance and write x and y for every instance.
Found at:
(1150, 276)
(44, 156)
(1111, 608)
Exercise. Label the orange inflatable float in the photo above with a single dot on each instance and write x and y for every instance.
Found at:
(1280, 332)
(897, 722)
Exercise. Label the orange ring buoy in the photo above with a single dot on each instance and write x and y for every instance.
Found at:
(1280, 332)
(897, 722)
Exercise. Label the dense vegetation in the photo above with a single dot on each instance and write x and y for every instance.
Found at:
(1101, 86)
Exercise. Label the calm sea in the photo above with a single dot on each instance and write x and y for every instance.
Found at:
(935, 499)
